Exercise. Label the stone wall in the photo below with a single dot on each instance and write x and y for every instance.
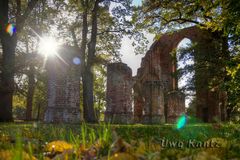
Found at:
(153, 109)
(175, 106)
(63, 88)
(119, 94)
(156, 95)
(159, 65)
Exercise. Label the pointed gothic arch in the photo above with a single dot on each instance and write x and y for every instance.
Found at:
(154, 78)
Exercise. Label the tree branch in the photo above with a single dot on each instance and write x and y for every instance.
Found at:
(108, 31)
(20, 90)
(178, 20)
(22, 18)
(74, 37)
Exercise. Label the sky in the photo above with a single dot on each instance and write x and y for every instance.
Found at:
(128, 55)
(127, 50)
(137, 2)
(134, 61)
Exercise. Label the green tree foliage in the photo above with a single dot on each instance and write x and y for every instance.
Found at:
(185, 54)
(29, 67)
(166, 14)
(220, 17)
(233, 87)
(97, 32)
(101, 31)
(15, 13)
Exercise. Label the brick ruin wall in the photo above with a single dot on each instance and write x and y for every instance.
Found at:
(158, 67)
(175, 105)
(119, 94)
(153, 109)
(63, 88)
(156, 95)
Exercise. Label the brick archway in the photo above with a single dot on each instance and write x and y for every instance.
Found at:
(154, 78)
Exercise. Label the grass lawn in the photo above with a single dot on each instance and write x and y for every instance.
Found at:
(103, 141)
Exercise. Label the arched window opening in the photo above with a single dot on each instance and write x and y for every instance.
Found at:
(185, 70)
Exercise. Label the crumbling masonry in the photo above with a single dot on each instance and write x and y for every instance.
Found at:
(119, 94)
(156, 95)
(63, 88)
(154, 89)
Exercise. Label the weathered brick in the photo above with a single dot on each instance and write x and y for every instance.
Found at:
(175, 105)
(119, 94)
(158, 65)
(63, 88)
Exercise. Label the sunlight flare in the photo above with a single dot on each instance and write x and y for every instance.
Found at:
(11, 29)
(181, 121)
(48, 46)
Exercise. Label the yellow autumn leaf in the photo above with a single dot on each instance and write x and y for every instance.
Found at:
(5, 138)
(58, 146)
(6, 155)
(9, 155)
(141, 148)
(122, 156)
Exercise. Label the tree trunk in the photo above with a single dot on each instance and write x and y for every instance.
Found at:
(38, 111)
(8, 58)
(30, 93)
(88, 73)
(224, 97)
(82, 56)
(9, 43)
(89, 114)
(7, 78)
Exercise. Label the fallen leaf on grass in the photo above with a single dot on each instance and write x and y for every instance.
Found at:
(58, 146)
(9, 155)
(122, 156)
(6, 138)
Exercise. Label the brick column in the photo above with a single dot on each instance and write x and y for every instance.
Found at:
(119, 94)
(153, 111)
(175, 105)
(63, 89)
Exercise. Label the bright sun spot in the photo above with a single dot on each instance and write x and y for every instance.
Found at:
(48, 46)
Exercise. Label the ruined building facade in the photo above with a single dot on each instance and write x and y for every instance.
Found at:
(156, 95)
(152, 96)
